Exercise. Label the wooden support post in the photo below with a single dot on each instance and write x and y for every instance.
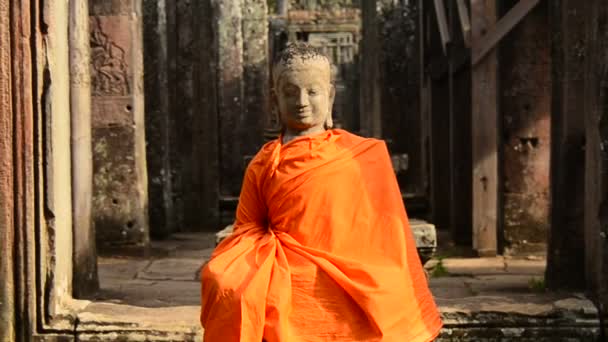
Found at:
(85, 279)
(465, 22)
(596, 157)
(442, 22)
(566, 244)
(484, 134)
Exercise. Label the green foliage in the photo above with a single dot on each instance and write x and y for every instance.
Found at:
(537, 284)
(439, 270)
(272, 6)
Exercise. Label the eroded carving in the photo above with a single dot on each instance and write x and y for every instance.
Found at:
(109, 74)
(319, 5)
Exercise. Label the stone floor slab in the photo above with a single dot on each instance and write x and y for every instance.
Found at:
(172, 269)
(474, 266)
(120, 268)
(523, 266)
(502, 283)
(152, 294)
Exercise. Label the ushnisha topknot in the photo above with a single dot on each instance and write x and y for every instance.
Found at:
(294, 55)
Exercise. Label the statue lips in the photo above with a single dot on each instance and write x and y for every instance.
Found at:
(303, 114)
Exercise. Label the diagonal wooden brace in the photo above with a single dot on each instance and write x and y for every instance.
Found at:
(488, 41)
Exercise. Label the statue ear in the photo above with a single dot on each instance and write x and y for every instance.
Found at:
(332, 96)
(329, 122)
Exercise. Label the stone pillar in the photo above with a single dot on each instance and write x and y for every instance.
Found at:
(596, 153)
(7, 285)
(205, 147)
(183, 110)
(85, 280)
(566, 243)
(158, 118)
(120, 208)
(229, 15)
(282, 7)
(255, 78)
(370, 117)
(525, 104)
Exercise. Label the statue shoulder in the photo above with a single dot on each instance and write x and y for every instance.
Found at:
(263, 154)
(356, 140)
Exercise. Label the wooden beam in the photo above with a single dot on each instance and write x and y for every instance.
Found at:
(488, 41)
(484, 136)
(442, 22)
(465, 22)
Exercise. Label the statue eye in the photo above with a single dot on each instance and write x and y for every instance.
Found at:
(313, 92)
(290, 91)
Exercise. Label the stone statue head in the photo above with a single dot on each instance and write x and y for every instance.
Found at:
(303, 92)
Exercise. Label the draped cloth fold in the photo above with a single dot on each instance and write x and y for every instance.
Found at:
(321, 251)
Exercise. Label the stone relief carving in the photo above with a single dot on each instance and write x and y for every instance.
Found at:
(109, 75)
(319, 5)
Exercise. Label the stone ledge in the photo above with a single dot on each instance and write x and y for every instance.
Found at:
(539, 318)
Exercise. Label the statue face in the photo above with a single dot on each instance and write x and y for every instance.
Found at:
(304, 96)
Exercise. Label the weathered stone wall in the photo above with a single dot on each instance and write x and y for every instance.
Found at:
(399, 58)
(120, 181)
(369, 100)
(242, 38)
(157, 118)
(207, 93)
(255, 76)
(7, 287)
(525, 105)
(566, 245)
(173, 113)
(596, 153)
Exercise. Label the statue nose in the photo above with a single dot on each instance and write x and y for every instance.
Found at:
(302, 100)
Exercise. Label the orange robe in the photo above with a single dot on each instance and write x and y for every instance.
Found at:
(321, 251)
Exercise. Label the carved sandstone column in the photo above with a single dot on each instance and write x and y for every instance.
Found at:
(158, 118)
(85, 279)
(120, 181)
(255, 78)
(370, 120)
(7, 235)
(228, 17)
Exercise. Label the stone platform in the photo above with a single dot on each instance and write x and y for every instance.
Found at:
(481, 299)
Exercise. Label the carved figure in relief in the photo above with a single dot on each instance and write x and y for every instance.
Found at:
(109, 74)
